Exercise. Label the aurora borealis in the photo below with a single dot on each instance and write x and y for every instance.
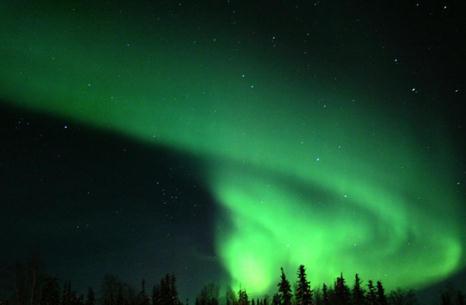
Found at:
(330, 158)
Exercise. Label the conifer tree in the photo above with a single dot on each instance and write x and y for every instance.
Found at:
(265, 301)
(284, 289)
(120, 298)
(166, 292)
(243, 297)
(303, 291)
(208, 295)
(276, 300)
(325, 296)
(446, 300)
(50, 294)
(460, 298)
(66, 294)
(90, 298)
(317, 297)
(358, 292)
(156, 295)
(111, 289)
(230, 297)
(371, 294)
(342, 293)
(381, 298)
(142, 298)
(174, 300)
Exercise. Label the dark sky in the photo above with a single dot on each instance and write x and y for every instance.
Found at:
(83, 187)
(91, 203)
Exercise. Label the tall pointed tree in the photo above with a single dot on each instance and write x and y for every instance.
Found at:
(243, 297)
(358, 292)
(325, 296)
(284, 289)
(460, 298)
(371, 293)
(66, 294)
(317, 296)
(166, 293)
(174, 299)
(50, 294)
(276, 299)
(156, 295)
(230, 297)
(208, 295)
(303, 293)
(381, 298)
(90, 297)
(120, 297)
(342, 292)
(446, 299)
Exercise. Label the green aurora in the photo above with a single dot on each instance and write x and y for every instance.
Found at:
(302, 174)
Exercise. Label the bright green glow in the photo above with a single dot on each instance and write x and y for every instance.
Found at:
(338, 188)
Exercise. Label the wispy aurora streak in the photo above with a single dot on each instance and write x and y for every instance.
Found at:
(337, 187)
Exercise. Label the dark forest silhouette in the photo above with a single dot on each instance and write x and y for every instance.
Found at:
(32, 286)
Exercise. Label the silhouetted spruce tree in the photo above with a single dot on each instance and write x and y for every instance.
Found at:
(303, 293)
(165, 290)
(253, 302)
(142, 298)
(156, 295)
(120, 297)
(325, 296)
(317, 297)
(111, 290)
(358, 292)
(66, 294)
(90, 298)
(28, 281)
(243, 297)
(446, 299)
(371, 293)
(77, 299)
(50, 294)
(341, 291)
(284, 290)
(167, 294)
(208, 295)
(460, 298)
(230, 297)
(381, 298)
(174, 291)
(276, 300)
(452, 297)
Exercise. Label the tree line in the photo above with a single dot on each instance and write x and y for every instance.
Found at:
(33, 287)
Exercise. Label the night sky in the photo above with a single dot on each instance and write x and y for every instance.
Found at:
(221, 140)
